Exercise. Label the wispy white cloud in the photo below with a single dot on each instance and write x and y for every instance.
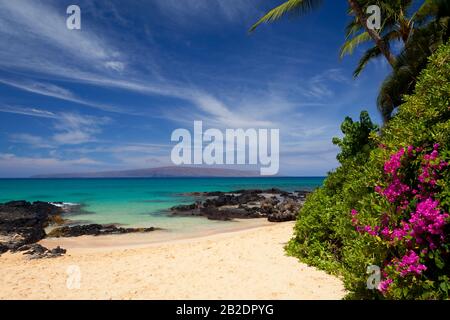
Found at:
(42, 88)
(123, 148)
(54, 91)
(115, 65)
(319, 85)
(70, 128)
(44, 161)
(14, 165)
(76, 129)
(31, 140)
(208, 107)
(33, 112)
(41, 30)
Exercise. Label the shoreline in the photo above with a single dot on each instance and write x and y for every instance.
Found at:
(142, 240)
(45, 229)
(241, 264)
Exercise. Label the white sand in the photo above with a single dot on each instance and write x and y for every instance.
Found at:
(248, 264)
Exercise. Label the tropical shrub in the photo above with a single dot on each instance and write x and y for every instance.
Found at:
(388, 203)
(356, 137)
(410, 237)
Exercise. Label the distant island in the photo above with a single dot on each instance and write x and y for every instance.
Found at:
(161, 172)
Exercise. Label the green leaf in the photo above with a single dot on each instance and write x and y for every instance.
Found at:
(444, 287)
(438, 261)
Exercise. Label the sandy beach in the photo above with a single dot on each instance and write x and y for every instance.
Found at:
(242, 264)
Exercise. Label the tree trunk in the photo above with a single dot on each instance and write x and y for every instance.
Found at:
(373, 34)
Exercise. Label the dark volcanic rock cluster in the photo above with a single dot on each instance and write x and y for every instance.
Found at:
(94, 230)
(37, 251)
(22, 225)
(274, 204)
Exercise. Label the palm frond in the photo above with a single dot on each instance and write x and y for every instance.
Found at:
(409, 63)
(370, 54)
(393, 90)
(391, 36)
(290, 7)
(352, 28)
(427, 9)
(349, 46)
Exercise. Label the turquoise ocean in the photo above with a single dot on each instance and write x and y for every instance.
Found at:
(139, 201)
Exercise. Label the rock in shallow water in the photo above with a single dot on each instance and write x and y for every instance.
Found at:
(275, 204)
(282, 216)
(94, 230)
(22, 223)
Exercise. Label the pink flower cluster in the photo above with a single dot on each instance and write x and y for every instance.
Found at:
(430, 168)
(396, 188)
(421, 227)
(394, 163)
(384, 285)
(428, 221)
(409, 264)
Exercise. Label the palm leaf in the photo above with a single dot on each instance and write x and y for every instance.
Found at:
(393, 89)
(427, 9)
(409, 63)
(352, 28)
(370, 54)
(349, 46)
(290, 7)
(392, 35)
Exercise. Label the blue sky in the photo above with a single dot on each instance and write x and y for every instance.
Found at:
(108, 97)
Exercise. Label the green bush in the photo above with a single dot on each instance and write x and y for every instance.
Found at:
(324, 235)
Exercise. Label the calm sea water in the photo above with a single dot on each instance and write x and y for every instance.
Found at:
(137, 202)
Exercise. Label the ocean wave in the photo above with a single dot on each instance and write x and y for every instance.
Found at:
(66, 206)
